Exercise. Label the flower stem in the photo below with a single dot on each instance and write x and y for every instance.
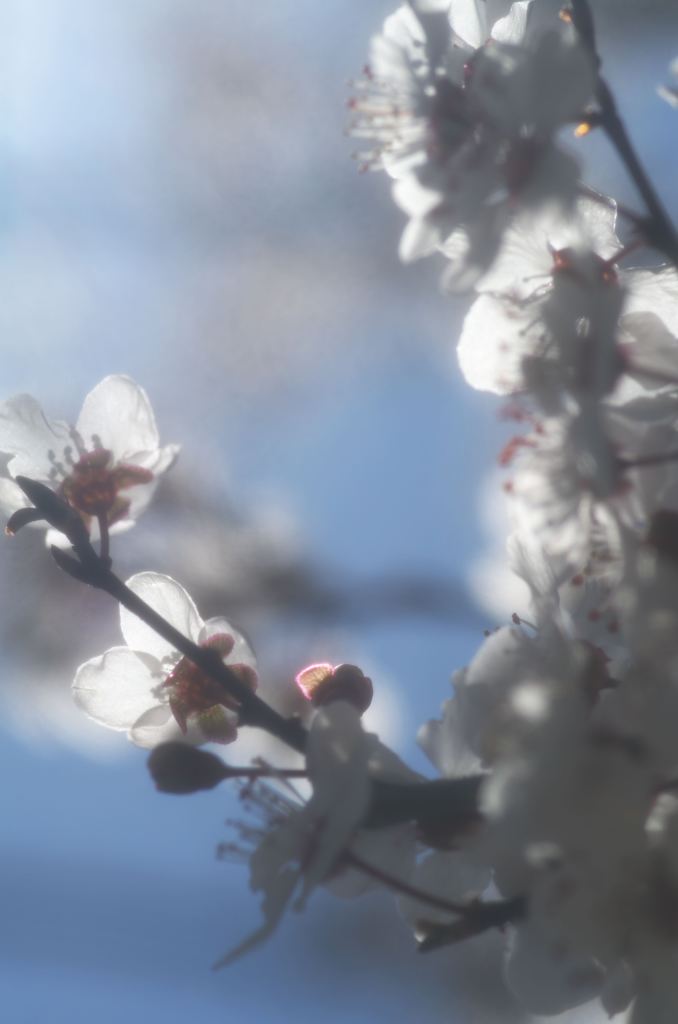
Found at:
(476, 916)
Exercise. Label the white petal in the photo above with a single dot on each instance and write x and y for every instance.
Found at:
(157, 725)
(117, 415)
(242, 653)
(420, 238)
(472, 249)
(655, 290)
(277, 895)
(169, 599)
(468, 20)
(444, 742)
(511, 29)
(116, 688)
(27, 434)
(498, 334)
(337, 756)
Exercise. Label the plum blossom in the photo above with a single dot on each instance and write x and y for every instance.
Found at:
(298, 843)
(568, 488)
(581, 602)
(546, 318)
(416, 69)
(148, 689)
(463, 120)
(106, 466)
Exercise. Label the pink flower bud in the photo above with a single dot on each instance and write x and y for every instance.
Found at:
(324, 683)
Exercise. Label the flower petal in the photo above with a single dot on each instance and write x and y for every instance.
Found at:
(337, 756)
(511, 28)
(469, 21)
(156, 725)
(169, 599)
(241, 654)
(117, 687)
(117, 415)
(27, 434)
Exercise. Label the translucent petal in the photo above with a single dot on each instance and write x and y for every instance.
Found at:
(117, 415)
(169, 599)
(241, 654)
(337, 760)
(27, 434)
(511, 28)
(469, 21)
(116, 688)
(156, 725)
(498, 334)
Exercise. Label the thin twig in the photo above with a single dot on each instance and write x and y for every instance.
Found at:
(658, 227)
(473, 916)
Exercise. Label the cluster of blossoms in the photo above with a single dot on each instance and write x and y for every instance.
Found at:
(571, 717)
(555, 810)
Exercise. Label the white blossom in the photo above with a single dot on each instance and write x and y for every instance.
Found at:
(108, 465)
(464, 120)
(299, 844)
(152, 692)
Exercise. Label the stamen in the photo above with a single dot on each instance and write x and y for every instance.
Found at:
(518, 620)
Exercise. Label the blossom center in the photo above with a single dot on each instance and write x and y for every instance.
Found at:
(94, 484)
(192, 692)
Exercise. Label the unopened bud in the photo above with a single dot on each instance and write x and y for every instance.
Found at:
(324, 683)
(50, 506)
(179, 768)
(22, 517)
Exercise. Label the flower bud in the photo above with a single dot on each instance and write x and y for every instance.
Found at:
(324, 683)
(179, 768)
(51, 507)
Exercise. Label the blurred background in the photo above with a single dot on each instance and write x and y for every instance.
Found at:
(178, 203)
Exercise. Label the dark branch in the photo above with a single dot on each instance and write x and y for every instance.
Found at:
(448, 805)
(478, 918)
(473, 917)
(657, 228)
